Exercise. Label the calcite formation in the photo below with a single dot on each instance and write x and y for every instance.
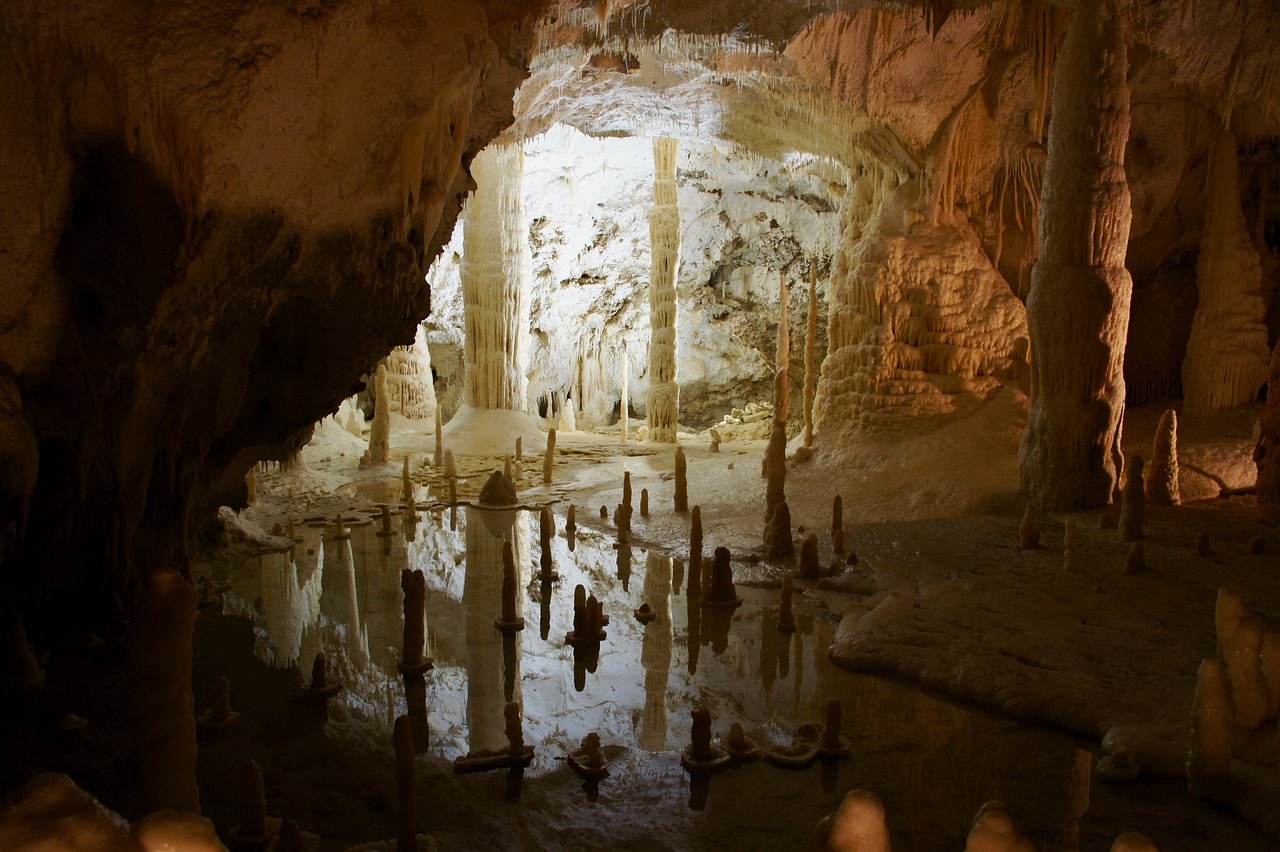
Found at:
(380, 430)
(663, 398)
(1266, 454)
(410, 384)
(1078, 308)
(1226, 361)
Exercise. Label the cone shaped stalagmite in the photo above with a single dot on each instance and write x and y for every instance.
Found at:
(1161, 479)
(1078, 306)
(380, 431)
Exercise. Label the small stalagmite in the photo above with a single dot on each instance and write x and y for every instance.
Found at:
(1209, 760)
(701, 755)
(519, 448)
(777, 533)
(786, 618)
(994, 831)
(252, 831)
(506, 466)
(406, 813)
(220, 714)
(1028, 532)
(1133, 501)
(695, 553)
(321, 686)
(1135, 562)
(450, 466)
(859, 824)
(380, 431)
(810, 568)
(549, 457)
(1161, 479)
(644, 502)
(626, 489)
(682, 484)
(722, 591)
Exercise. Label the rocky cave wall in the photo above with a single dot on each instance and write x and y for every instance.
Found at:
(214, 217)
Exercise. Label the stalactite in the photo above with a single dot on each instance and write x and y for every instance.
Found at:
(663, 398)
(496, 268)
(810, 355)
(1078, 309)
(1226, 360)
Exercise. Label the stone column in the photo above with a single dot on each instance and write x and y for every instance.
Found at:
(1078, 307)
(663, 400)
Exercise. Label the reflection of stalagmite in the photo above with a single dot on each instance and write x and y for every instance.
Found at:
(486, 531)
(1226, 360)
(287, 607)
(663, 400)
(655, 652)
(411, 390)
(1078, 307)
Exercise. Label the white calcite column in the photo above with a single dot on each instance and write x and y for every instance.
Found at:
(409, 381)
(496, 265)
(1078, 307)
(663, 400)
(1226, 361)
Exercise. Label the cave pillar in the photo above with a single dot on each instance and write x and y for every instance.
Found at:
(1226, 361)
(1078, 306)
(496, 269)
(663, 399)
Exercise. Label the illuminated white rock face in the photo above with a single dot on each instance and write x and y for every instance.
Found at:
(409, 382)
(663, 402)
(1226, 361)
(1078, 308)
(921, 324)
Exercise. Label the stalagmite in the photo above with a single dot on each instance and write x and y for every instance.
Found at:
(859, 824)
(1211, 735)
(252, 831)
(1242, 656)
(519, 448)
(782, 358)
(663, 398)
(568, 419)
(410, 384)
(1226, 360)
(626, 490)
(1078, 307)
(777, 533)
(1133, 501)
(809, 566)
(775, 462)
(1161, 480)
(682, 484)
(1133, 841)
(1028, 532)
(380, 431)
(644, 502)
(624, 417)
(438, 458)
(810, 356)
(549, 458)
(695, 553)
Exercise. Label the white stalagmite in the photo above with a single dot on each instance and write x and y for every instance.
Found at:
(663, 398)
(1078, 307)
(624, 417)
(380, 431)
(409, 381)
(496, 266)
(1226, 361)
(810, 354)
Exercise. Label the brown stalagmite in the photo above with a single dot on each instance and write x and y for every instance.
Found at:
(810, 355)
(1161, 479)
(1209, 761)
(695, 553)
(777, 533)
(626, 490)
(406, 816)
(1028, 532)
(252, 832)
(782, 388)
(519, 448)
(644, 502)
(775, 462)
(549, 457)
(1078, 307)
(1133, 501)
(1266, 454)
(682, 484)
(809, 567)
(438, 458)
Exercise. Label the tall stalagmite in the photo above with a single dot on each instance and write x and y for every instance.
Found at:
(496, 266)
(380, 430)
(1226, 361)
(1078, 307)
(663, 401)
(810, 355)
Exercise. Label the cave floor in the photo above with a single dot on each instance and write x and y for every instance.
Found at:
(940, 594)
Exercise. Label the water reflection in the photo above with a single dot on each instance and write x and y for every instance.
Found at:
(933, 763)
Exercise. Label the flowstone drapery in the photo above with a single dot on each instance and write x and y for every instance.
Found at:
(1078, 307)
(663, 401)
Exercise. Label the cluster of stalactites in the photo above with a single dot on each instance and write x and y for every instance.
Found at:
(663, 399)
(410, 384)
(496, 269)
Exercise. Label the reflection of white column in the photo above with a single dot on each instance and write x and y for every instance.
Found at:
(288, 607)
(663, 401)
(655, 652)
(482, 603)
(357, 639)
